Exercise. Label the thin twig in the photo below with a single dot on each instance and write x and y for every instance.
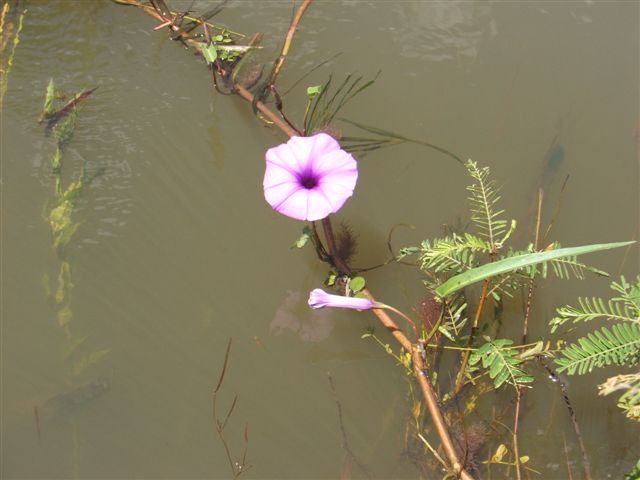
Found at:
(350, 456)
(288, 39)
(536, 242)
(236, 467)
(566, 457)
(557, 210)
(516, 451)
(224, 366)
(474, 330)
(586, 464)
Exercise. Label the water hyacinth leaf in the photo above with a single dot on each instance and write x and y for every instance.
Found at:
(518, 262)
(357, 284)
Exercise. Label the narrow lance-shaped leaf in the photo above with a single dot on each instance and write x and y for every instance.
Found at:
(515, 263)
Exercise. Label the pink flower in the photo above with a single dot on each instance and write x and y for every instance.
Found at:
(308, 178)
(318, 298)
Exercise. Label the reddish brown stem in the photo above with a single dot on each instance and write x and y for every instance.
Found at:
(474, 329)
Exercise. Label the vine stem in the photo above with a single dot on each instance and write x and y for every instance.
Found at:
(474, 329)
(288, 39)
(516, 422)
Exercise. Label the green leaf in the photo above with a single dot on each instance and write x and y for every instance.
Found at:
(518, 262)
(357, 283)
(502, 362)
(533, 351)
(56, 161)
(48, 101)
(303, 239)
(313, 91)
(209, 52)
(600, 348)
(634, 474)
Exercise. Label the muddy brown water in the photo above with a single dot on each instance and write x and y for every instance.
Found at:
(177, 250)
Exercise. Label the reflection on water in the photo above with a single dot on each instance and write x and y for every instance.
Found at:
(294, 315)
(176, 250)
(442, 30)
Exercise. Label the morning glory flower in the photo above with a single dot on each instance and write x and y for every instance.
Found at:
(309, 178)
(318, 298)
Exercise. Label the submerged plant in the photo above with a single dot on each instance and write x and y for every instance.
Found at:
(308, 178)
(62, 120)
(9, 40)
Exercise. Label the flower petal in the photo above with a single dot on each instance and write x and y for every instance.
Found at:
(319, 158)
(285, 157)
(303, 150)
(276, 174)
(322, 145)
(334, 161)
(318, 298)
(320, 205)
(294, 204)
(277, 195)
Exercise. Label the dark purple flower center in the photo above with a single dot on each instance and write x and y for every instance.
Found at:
(308, 180)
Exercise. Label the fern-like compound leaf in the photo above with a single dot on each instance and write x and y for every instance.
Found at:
(502, 362)
(483, 200)
(618, 346)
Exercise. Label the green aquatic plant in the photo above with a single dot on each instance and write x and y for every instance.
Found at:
(324, 104)
(9, 38)
(61, 120)
(616, 343)
(502, 362)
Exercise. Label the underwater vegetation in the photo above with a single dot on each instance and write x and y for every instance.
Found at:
(79, 354)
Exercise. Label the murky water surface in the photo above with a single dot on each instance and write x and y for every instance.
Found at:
(177, 251)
